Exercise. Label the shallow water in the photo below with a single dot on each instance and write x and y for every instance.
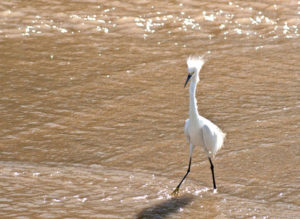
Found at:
(92, 108)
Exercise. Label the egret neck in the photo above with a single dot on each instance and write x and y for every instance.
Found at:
(193, 101)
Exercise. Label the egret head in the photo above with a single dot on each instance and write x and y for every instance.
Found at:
(194, 65)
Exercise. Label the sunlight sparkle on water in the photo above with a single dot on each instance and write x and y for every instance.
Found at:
(210, 17)
(197, 192)
(140, 197)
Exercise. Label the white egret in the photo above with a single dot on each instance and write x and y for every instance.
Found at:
(198, 130)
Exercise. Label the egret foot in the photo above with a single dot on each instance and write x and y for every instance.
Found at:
(175, 192)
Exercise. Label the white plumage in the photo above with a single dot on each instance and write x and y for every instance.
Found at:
(198, 130)
(204, 134)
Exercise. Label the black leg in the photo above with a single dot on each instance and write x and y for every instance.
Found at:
(212, 172)
(175, 192)
(187, 172)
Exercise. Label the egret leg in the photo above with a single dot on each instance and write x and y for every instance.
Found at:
(175, 192)
(212, 172)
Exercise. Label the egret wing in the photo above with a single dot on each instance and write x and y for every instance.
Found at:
(209, 140)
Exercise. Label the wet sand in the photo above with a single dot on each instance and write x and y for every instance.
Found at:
(92, 109)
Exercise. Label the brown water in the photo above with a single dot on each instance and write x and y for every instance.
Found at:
(92, 108)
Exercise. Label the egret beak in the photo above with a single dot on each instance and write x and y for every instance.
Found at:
(188, 78)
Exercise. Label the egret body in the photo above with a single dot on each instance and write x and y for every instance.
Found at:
(198, 130)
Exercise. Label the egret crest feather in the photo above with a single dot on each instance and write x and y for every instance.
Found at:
(194, 63)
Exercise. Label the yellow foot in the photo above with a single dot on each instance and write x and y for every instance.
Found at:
(175, 192)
